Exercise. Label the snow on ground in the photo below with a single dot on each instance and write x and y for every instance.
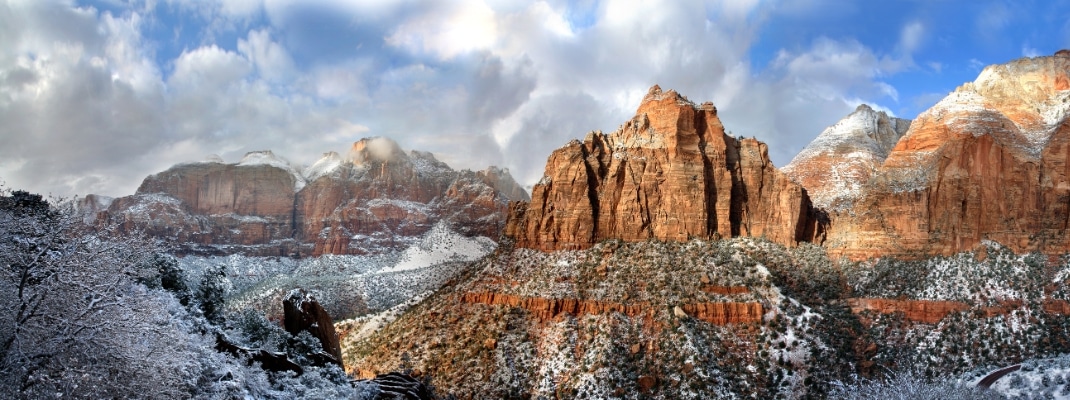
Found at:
(1037, 379)
(441, 245)
(369, 324)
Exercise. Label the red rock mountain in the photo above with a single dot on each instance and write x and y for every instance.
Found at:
(670, 173)
(377, 199)
(989, 161)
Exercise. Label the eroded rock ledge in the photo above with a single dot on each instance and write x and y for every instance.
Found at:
(722, 313)
(932, 311)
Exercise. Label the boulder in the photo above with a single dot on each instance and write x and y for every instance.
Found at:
(302, 313)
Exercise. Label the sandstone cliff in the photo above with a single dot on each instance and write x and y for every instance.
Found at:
(670, 173)
(248, 204)
(987, 162)
(839, 162)
(375, 199)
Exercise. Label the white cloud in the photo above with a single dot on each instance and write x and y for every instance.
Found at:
(477, 83)
(1029, 51)
(448, 30)
(910, 38)
(210, 67)
(272, 61)
(241, 8)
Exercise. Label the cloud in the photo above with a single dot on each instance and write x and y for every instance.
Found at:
(910, 38)
(1029, 51)
(90, 103)
(448, 29)
(271, 60)
(993, 19)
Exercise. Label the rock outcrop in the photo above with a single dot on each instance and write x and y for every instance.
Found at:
(927, 311)
(302, 313)
(932, 311)
(385, 198)
(670, 173)
(90, 207)
(376, 199)
(839, 162)
(400, 386)
(987, 162)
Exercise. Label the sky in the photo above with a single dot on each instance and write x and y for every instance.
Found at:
(96, 95)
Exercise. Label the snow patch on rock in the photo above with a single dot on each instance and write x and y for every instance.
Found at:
(266, 157)
(326, 165)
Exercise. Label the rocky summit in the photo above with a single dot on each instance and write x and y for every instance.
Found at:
(375, 199)
(839, 162)
(670, 173)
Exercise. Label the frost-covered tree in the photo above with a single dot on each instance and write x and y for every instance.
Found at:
(74, 321)
(88, 313)
(211, 293)
(169, 276)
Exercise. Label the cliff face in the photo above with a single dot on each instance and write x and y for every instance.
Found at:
(670, 173)
(245, 204)
(987, 162)
(384, 198)
(378, 198)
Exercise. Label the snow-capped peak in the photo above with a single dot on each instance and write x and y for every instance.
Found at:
(835, 166)
(324, 166)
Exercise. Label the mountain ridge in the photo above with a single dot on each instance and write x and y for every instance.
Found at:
(376, 199)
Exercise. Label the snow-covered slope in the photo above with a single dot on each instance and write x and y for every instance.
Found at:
(347, 285)
(441, 245)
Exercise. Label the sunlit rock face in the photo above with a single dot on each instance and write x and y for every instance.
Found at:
(375, 199)
(670, 173)
(989, 161)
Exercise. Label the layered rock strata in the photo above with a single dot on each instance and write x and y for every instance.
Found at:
(932, 311)
(670, 173)
(544, 309)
